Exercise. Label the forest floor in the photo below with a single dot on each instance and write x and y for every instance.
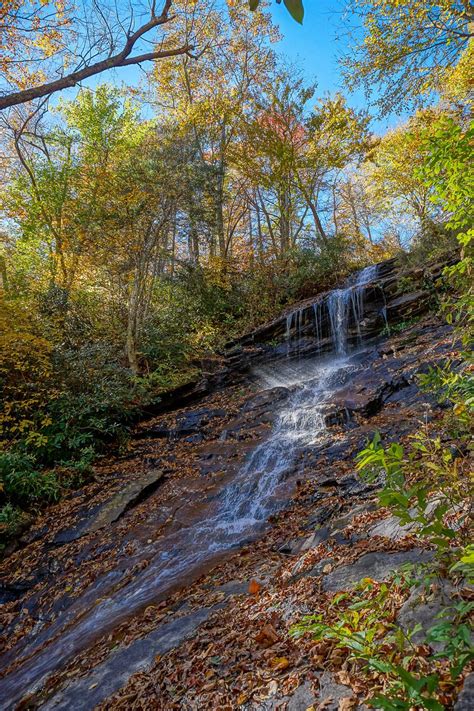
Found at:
(217, 637)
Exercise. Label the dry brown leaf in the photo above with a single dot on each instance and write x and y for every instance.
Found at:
(267, 636)
(348, 703)
(343, 678)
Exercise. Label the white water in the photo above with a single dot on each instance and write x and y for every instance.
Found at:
(366, 275)
(345, 307)
(240, 510)
(344, 304)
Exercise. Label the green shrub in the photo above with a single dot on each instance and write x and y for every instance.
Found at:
(23, 483)
(12, 521)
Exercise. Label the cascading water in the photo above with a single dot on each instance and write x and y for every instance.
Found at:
(289, 322)
(366, 275)
(344, 304)
(240, 510)
(318, 323)
(344, 309)
(337, 304)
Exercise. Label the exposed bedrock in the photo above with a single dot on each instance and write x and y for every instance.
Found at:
(391, 295)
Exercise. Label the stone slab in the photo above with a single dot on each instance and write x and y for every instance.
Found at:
(378, 566)
(86, 693)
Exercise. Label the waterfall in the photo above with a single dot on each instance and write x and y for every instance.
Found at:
(297, 318)
(249, 500)
(345, 309)
(318, 323)
(337, 303)
(366, 275)
(237, 510)
(342, 302)
(289, 321)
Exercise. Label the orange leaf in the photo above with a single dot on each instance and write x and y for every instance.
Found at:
(254, 587)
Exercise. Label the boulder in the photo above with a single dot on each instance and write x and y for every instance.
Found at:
(111, 510)
(378, 566)
(465, 700)
(424, 610)
(391, 528)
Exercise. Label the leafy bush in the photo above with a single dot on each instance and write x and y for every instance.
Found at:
(26, 382)
(453, 383)
(12, 520)
(403, 673)
(426, 487)
(23, 483)
(422, 484)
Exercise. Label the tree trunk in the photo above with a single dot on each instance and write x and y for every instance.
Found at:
(220, 177)
(284, 222)
(317, 222)
(3, 276)
(131, 341)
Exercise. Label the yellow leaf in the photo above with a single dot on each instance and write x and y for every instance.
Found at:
(280, 663)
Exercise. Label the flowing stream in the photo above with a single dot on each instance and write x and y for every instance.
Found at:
(239, 510)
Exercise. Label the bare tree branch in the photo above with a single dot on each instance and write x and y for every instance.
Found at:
(121, 59)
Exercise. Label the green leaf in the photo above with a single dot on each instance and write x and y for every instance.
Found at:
(381, 666)
(432, 705)
(253, 4)
(409, 680)
(296, 9)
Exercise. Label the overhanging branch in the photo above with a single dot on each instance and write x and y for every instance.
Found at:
(121, 59)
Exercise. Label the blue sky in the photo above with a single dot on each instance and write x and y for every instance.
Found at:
(312, 47)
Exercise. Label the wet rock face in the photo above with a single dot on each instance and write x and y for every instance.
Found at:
(396, 295)
(86, 694)
(109, 536)
(111, 510)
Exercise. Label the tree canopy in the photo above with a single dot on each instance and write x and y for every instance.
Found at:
(149, 230)
(405, 51)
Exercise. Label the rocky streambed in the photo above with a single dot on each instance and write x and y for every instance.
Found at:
(170, 582)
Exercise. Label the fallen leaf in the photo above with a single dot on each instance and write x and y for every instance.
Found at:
(280, 663)
(254, 587)
(347, 703)
(267, 636)
(343, 678)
